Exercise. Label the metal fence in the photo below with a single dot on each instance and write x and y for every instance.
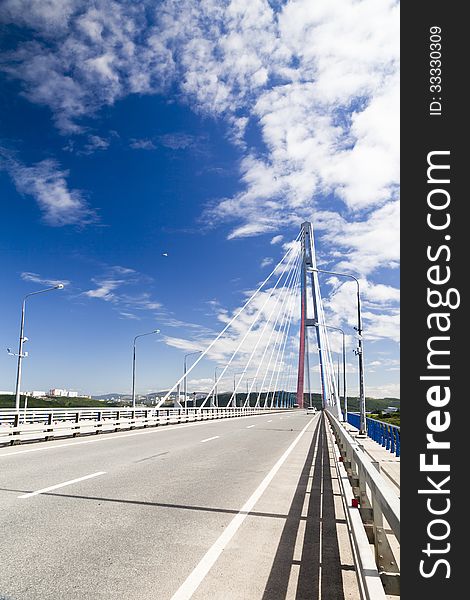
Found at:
(383, 433)
(373, 510)
(45, 424)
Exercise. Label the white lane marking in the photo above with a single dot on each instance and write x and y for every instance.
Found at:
(209, 439)
(250, 426)
(270, 421)
(112, 436)
(61, 485)
(190, 585)
(101, 439)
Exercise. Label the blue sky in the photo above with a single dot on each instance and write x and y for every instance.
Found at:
(207, 132)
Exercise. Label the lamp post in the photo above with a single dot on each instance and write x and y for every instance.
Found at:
(59, 286)
(345, 394)
(133, 363)
(184, 380)
(359, 351)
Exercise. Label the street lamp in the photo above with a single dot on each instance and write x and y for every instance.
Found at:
(359, 351)
(133, 363)
(23, 339)
(184, 380)
(345, 394)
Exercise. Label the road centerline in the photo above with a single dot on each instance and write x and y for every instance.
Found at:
(61, 485)
(249, 426)
(211, 438)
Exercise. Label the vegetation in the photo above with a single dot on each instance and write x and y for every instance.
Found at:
(8, 401)
(391, 418)
(376, 406)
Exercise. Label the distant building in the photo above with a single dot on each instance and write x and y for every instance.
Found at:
(54, 392)
(36, 394)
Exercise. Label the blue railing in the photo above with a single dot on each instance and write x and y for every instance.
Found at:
(385, 434)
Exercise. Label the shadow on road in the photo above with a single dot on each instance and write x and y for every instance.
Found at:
(320, 550)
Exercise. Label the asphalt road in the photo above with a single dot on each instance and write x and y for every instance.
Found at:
(237, 509)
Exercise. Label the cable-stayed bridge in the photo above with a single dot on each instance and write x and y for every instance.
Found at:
(245, 495)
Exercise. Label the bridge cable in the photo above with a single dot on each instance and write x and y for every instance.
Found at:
(285, 268)
(287, 290)
(278, 342)
(238, 313)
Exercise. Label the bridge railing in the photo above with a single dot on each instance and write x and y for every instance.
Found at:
(44, 424)
(373, 508)
(385, 434)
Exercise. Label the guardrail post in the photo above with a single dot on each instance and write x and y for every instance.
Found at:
(49, 428)
(385, 560)
(16, 423)
(397, 434)
(118, 416)
(99, 419)
(77, 420)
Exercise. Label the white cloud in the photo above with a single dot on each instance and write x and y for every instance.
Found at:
(386, 390)
(266, 262)
(318, 80)
(202, 385)
(36, 278)
(47, 183)
(130, 316)
(108, 287)
(85, 56)
(44, 16)
(105, 289)
(95, 142)
(177, 141)
(379, 308)
(362, 245)
(142, 144)
(277, 239)
(327, 112)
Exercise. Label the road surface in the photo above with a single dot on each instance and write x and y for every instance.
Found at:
(242, 508)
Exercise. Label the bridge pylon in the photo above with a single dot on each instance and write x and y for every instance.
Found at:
(312, 315)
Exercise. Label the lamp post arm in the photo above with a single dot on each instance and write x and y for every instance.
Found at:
(133, 362)
(359, 352)
(59, 286)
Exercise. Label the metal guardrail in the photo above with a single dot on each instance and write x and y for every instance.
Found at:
(371, 498)
(385, 434)
(38, 424)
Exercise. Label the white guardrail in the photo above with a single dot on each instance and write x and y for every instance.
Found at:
(38, 424)
(373, 513)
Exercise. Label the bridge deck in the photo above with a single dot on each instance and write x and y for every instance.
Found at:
(162, 519)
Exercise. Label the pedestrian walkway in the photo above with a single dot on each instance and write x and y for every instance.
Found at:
(387, 463)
